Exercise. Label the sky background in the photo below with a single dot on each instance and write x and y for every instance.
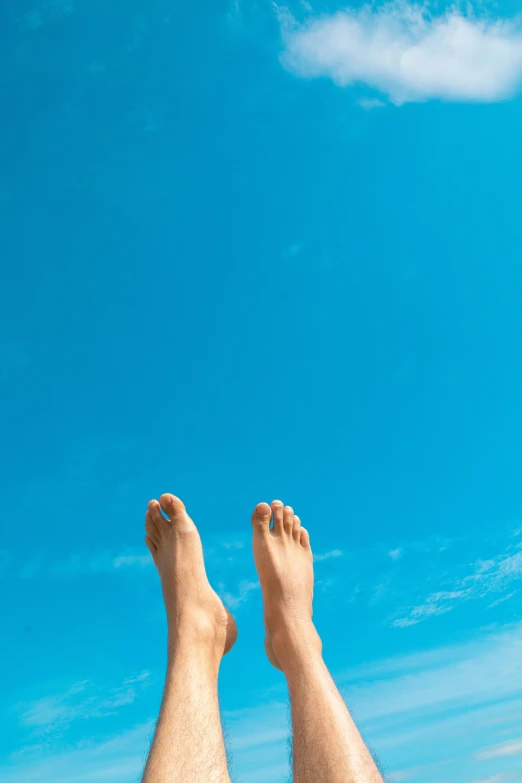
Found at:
(252, 252)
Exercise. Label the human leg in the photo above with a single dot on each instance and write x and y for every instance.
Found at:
(327, 746)
(188, 744)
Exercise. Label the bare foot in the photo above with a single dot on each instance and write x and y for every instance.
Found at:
(195, 614)
(285, 566)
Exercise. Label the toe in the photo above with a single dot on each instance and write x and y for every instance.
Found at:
(296, 529)
(261, 517)
(152, 530)
(277, 509)
(151, 546)
(172, 506)
(156, 516)
(305, 538)
(288, 519)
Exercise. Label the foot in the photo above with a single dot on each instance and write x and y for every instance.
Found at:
(196, 616)
(285, 566)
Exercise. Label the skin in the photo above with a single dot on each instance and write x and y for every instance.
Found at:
(326, 745)
(188, 745)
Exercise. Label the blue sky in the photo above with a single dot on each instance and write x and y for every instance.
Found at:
(252, 251)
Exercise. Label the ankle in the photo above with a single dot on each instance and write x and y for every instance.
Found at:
(295, 643)
(190, 655)
(196, 634)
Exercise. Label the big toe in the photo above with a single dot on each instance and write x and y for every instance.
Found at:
(173, 507)
(261, 517)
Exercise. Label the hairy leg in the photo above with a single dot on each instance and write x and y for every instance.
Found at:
(327, 747)
(188, 745)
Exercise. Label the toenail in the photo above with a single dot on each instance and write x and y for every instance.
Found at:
(277, 503)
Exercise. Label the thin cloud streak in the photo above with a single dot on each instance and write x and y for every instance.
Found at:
(117, 760)
(487, 577)
(502, 750)
(52, 714)
(328, 555)
(240, 595)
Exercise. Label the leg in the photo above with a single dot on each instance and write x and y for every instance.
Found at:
(327, 747)
(188, 745)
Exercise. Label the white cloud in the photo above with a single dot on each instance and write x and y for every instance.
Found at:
(499, 751)
(132, 560)
(412, 773)
(496, 573)
(117, 760)
(409, 54)
(240, 596)
(436, 603)
(52, 714)
(395, 553)
(503, 599)
(463, 675)
(488, 576)
(328, 555)
(83, 564)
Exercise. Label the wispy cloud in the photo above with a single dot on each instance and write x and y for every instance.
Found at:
(123, 561)
(83, 564)
(487, 577)
(451, 677)
(328, 555)
(502, 600)
(412, 773)
(52, 714)
(495, 574)
(116, 760)
(233, 599)
(513, 748)
(436, 603)
(407, 53)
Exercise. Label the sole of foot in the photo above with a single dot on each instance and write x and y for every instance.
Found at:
(284, 562)
(196, 615)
